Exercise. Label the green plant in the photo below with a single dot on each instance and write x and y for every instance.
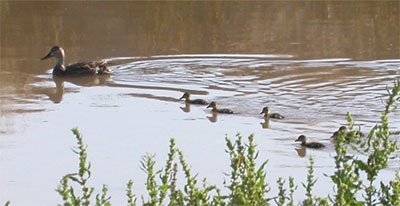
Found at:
(248, 184)
(68, 193)
(247, 181)
(129, 194)
(346, 176)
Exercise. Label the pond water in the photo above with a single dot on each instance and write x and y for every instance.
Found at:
(310, 61)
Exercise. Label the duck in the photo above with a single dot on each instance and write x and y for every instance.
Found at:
(186, 95)
(76, 69)
(213, 105)
(267, 114)
(348, 134)
(336, 133)
(315, 145)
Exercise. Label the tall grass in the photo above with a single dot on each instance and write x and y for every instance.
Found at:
(247, 183)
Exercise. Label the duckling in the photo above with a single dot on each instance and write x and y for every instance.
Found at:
(186, 95)
(77, 69)
(213, 105)
(336, 134)
(267, 113)
(316, 145)
(348, 135)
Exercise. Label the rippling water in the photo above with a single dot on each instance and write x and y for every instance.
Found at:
(320, 88)
(140, 100)
(310, 61)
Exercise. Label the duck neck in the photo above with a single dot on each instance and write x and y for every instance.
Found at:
(60, 59)
(303, 142)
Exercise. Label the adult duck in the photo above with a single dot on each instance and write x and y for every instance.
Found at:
(304, 143)
(77, 69)
(186, 96)
(267, 114)
(213, 105)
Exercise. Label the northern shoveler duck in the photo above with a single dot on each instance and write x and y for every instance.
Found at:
(302, 139)
(213, 105)
(186, 95)
(77, 69)
(267, 114)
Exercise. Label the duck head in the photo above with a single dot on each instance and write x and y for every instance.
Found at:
(185, 95)
(56, 52)
(265, 111)
(212, 105)
(301, 138)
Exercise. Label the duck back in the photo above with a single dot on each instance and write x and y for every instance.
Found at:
(198, 101)
(82, 69)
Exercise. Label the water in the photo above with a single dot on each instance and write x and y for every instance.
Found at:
(310, 61)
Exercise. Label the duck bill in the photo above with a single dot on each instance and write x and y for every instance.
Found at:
(47, 56)
(208, 106)
(297, 140)
(182, 97)
(261, 112)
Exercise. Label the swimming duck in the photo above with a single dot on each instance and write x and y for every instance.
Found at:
(77, 69)
(336, 134)
(348, 134)
(267, 113)
(186, 95)
(213, 105)
(302, 139)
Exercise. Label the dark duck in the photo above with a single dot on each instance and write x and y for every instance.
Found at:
(213, 105)
(186, 96)
(77, 69)
(348, 135)
(267, 114)
(303, 140)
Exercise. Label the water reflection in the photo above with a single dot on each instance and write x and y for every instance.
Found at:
(57, 96)
(301, 151)
(265, 124)
(186, 108)
(213, 117)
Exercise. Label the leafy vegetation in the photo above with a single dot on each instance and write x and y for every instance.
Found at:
(247, 183)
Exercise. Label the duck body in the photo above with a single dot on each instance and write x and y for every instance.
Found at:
(81, 69)
(225, 111)
(186, 95)
(304, 143)
(267, 114)
(213, 105)
(76, 69)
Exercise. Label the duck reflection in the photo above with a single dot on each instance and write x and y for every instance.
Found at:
(265, 124)
(213, 118)
(57, 95)
(302, 151)
(186, 108)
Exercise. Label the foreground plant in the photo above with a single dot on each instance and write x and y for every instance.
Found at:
(379, 147)
(81, 178)
(247, 181)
